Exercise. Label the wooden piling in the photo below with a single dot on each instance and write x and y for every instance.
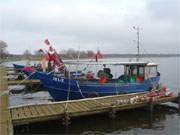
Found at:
(112, 113)
(66, 119)
(151, 105)
(6, 127)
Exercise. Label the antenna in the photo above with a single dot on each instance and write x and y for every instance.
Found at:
(138, 42)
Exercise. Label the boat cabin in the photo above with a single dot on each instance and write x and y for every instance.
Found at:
(138, 72)
(132, 71)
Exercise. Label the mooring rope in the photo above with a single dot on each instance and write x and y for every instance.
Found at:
(80, 91)
(68, 94)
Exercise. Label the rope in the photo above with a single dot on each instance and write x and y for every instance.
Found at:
(80, 91)
(69, 89)
(146, 52)
(88, 64)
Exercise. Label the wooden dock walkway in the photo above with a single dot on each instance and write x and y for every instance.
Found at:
(64, 110)
(57, 110)
(12, 71)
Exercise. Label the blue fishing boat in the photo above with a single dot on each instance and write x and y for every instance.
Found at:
(18, 67)
(137, 77)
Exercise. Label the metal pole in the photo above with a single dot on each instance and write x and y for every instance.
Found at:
(138, 43)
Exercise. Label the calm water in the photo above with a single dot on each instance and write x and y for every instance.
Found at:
(164, 120)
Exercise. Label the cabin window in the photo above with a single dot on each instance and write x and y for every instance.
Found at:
(134, 73)
(141, 71)
(130, 70)
(134, 70)
(151, 71)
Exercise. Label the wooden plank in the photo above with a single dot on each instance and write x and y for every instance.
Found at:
(82, 106)
(14, 113)
(59, 108)
(27, 112)
(89, 104)
(33, 111)
(39, 111)
(95, 103)
(77, 106)
(21, 113)
(15, 82)
(85, 105)
(45, 110)
(52, 109)
(71, 108)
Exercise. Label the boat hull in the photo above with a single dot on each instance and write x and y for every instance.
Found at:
(63, 89)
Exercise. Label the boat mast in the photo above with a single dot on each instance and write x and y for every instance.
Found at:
(138, 42)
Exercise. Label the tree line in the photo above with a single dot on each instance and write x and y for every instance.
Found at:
(67, 54)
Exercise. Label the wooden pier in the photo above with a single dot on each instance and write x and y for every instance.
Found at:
(64, 110)
(12, 71)
(57, 110)
(23, 82)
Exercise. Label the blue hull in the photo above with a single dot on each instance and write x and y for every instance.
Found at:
(60, 87)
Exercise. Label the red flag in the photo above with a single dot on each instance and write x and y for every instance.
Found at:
(46, 41)
(53, 56)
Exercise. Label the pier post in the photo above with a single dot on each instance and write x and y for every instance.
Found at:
(6, 127)
(112, 113)
(151, 105)
(66, 119)
(151, 109)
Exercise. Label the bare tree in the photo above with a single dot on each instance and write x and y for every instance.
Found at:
(37, 53)
(72, 53)
(90, 53)
(27, 54)
(3, 52)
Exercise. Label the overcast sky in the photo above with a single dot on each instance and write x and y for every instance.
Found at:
(91, 24)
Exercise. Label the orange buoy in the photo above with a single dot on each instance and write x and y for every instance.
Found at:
(103, 79)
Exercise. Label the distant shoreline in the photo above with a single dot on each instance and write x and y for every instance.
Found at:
(141, 55)
(15, 57)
